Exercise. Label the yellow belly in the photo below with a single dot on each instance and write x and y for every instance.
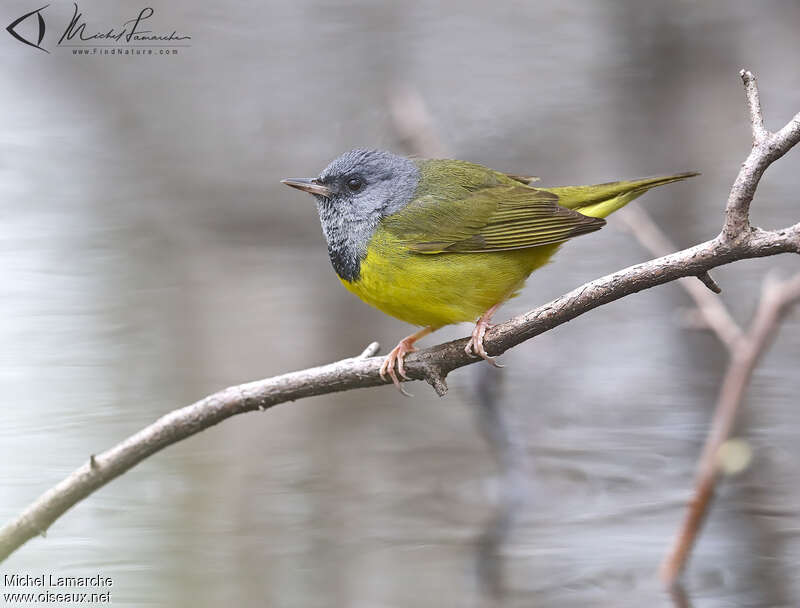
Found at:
(440, 289)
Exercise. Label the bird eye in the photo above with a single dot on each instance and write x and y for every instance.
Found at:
(354, 184)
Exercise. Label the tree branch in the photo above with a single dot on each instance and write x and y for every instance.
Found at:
(776, 301)
(754, 107)
(745, 350)
(714, 313)
(737, 241)
(767, 148)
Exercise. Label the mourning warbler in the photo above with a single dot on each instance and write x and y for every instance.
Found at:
(434, 241)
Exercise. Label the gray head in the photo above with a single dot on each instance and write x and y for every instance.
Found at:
(353, 193)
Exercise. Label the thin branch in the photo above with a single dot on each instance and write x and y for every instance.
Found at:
(754, 107)
(431, 364)
(714, 313)
(776, 301)
(744, 350)
(707, 280)
(372, 349)
(767, 148)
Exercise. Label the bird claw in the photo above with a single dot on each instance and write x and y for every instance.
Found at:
(474, 347)
(396, 358)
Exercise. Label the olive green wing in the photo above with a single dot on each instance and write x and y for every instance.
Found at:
(499, 218)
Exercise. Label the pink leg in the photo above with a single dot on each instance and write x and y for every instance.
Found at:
(475, 345)
(397, 357)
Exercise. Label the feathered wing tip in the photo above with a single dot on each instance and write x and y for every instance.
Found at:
(601, 200)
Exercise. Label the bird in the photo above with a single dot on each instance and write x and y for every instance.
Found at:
(440, 241)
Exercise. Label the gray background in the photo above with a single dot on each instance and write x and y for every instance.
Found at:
(149, 255)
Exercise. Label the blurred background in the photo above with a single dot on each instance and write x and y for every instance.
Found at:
(150, 256)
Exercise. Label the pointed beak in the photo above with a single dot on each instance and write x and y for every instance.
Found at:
(312, 186)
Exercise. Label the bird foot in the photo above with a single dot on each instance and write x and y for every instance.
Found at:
(474, 347)
(396, 359)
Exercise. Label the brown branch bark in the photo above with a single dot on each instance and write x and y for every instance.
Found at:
(432, 364)
(745, 349)
(776, 301)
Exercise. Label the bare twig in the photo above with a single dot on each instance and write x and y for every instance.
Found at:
(767, 148)
(714, 313)
(372, 349)
(776, 301)
(754, 107)
(745, 349)
(707, 280)
(432, 364)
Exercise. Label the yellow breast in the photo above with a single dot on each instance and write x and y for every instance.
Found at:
(440, 289)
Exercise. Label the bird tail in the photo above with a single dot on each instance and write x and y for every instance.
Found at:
(601, 200)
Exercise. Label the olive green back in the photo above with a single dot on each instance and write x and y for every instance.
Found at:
(460, 207)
